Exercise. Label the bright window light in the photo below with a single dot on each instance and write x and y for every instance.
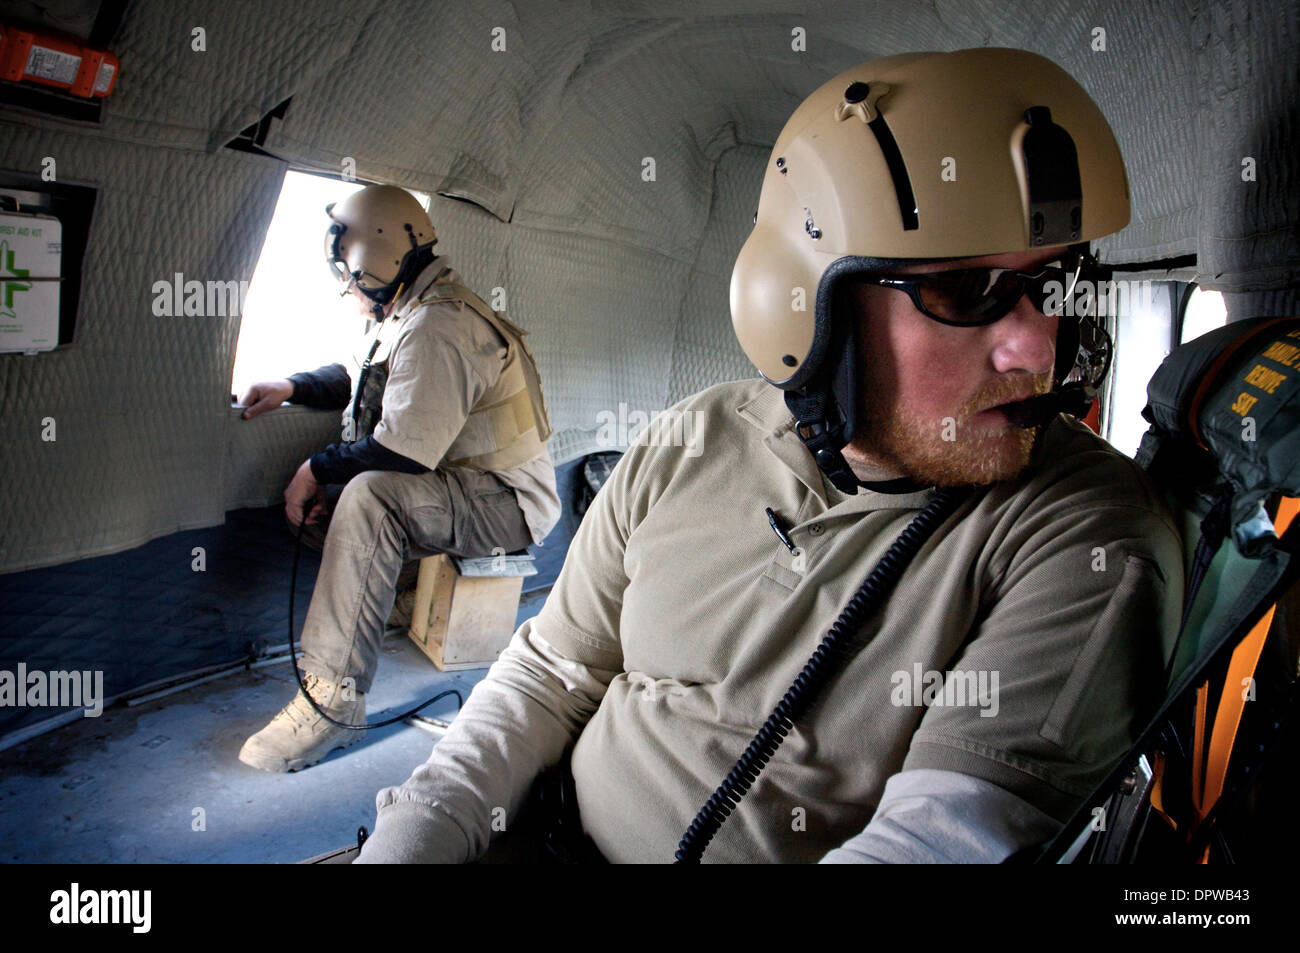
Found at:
(1141, 343)
(1206, 311)
(293, 317)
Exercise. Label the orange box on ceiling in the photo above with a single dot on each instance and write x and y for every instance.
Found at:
(63, 62)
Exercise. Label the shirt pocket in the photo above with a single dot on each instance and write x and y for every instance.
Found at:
(787, 569)
(1117, 673)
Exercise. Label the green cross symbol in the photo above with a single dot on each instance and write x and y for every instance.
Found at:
(9, 287)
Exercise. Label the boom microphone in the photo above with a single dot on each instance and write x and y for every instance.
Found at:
(1073, 399)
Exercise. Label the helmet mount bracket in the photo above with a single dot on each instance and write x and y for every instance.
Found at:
(1053, 191)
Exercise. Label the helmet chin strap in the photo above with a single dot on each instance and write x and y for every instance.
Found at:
(826, 413)
(821, 428)
(825, 409)
(379, 308)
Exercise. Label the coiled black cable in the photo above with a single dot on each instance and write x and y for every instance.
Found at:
(835, 649)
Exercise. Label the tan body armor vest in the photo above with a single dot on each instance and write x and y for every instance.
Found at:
(509, 425)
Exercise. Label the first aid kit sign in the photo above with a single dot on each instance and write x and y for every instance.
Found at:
(31, 252)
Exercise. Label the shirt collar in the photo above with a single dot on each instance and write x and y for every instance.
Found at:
(767, 412)
(410, 296)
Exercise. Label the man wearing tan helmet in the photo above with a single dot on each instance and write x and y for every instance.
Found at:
(907, 294)
(444, 450)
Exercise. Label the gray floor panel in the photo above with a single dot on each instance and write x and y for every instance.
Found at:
(132, 785)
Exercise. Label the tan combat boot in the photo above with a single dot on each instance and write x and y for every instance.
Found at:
(298, 737)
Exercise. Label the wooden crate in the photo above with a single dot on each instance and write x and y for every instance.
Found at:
(460, 621)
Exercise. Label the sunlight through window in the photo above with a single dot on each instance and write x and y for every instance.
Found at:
(1205, 312)
(293, 317)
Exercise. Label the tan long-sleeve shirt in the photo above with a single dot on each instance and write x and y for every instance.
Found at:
(1017, 648)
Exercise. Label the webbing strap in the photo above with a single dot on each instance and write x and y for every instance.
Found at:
(1207, 782)
(823, 442)
(1198, 747)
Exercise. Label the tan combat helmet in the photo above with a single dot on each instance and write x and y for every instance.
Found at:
(376, 238)
(922, 156)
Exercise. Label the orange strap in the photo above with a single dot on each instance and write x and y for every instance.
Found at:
(1207, 786)
(1198, 751)
(1157, 788)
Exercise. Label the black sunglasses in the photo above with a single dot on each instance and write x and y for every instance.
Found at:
(972, 297)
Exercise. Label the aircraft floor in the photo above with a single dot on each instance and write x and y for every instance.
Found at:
(161, 782)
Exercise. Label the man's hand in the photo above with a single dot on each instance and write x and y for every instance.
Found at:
(264, 396)
(303, 493)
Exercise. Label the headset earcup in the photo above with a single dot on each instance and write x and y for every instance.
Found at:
(1067, 347)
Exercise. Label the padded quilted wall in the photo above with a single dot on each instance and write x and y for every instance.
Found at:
(254, 55)
(704, 348)
(139, 402)
(415, 95)
(1248, 235)
(613, 339)
(609, 155)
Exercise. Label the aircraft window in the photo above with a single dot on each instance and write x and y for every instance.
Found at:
(293, 318)
(1204, 311)
(1143, 319)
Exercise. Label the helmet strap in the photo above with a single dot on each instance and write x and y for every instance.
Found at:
(819, 426)
(413, 262)
(826, 410)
